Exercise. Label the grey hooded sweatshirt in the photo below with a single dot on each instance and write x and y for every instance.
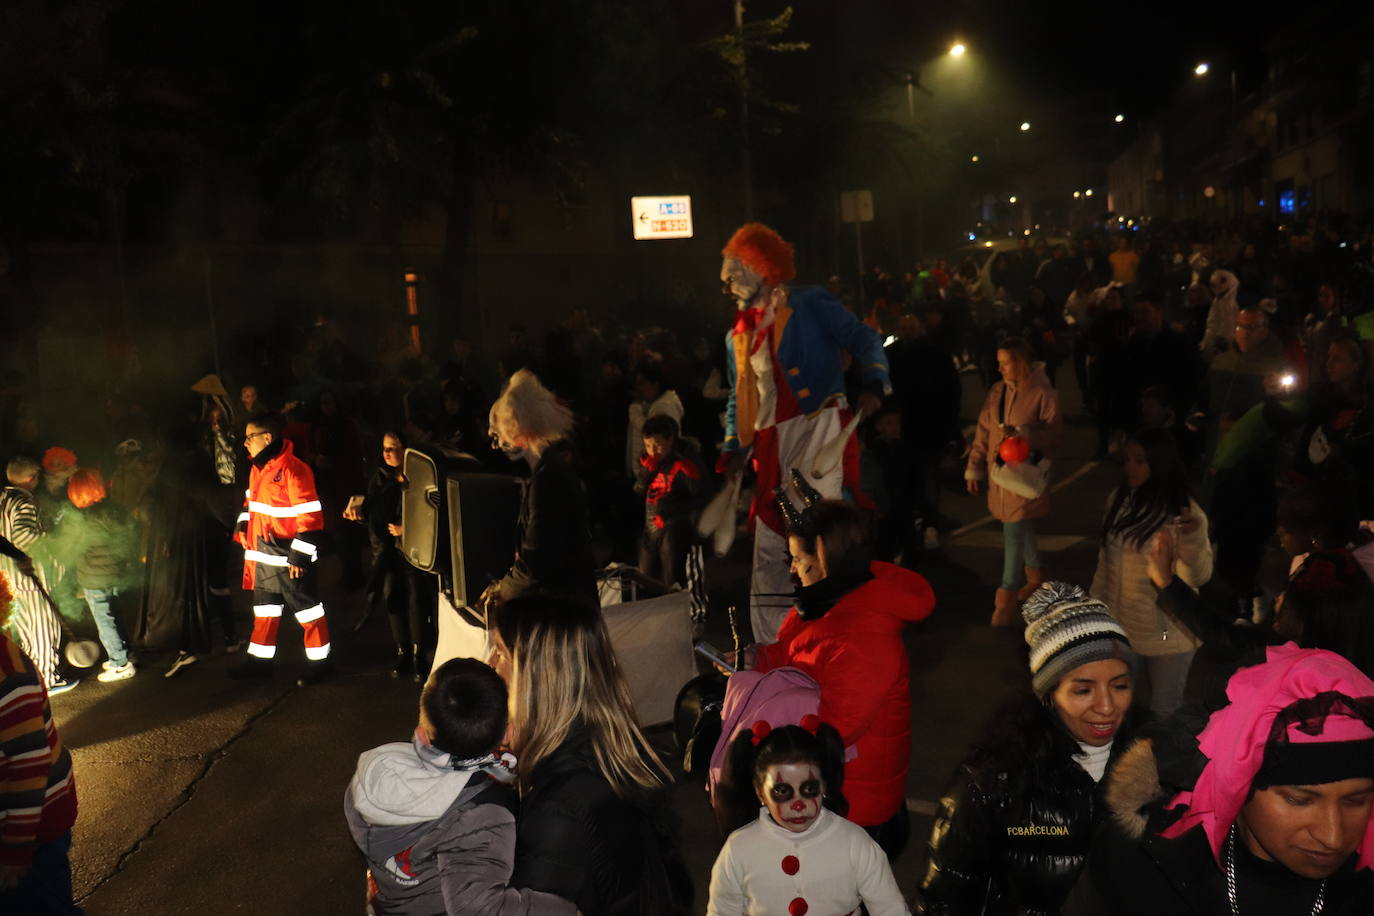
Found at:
(439, 837)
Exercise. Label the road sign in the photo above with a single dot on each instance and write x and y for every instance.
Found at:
(856, 206)
(662, 217)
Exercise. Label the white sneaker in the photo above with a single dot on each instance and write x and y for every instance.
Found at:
(59, 684)
(106, 665)
(122, 673)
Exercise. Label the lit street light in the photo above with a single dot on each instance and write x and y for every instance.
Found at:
(957, 49)
(1011, 199)
(1025, 125)
(1202, 68)
(1077, 195)
(973, 158)
(1088, 193)
(1119, 118)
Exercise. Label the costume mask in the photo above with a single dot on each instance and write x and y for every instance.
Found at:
(739, 282)
(792, 793)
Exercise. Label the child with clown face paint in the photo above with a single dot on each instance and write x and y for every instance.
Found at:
(800, 856)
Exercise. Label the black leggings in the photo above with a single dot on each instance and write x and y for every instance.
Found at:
(406, 594)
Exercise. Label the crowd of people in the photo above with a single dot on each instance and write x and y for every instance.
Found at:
(1229, 377)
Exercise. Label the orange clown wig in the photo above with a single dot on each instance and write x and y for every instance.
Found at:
(763, 251)
(86, 488)
(57, 460)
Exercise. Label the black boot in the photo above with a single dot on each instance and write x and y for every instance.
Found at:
(315, 672)
(403, 664)
(421, 664)
(401, 635)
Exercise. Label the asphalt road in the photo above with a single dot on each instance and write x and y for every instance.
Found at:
(203, 795)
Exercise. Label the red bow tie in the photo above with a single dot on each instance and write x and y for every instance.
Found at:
(748, 319)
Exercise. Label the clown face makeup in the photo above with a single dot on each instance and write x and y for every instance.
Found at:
(792, 793)
(739, 282)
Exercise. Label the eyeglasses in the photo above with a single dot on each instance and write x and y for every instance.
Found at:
(251, 436)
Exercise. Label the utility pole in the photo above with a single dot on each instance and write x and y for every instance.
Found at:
(744, 112)
(915, 196)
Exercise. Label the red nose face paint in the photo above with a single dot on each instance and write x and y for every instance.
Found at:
(792, 793)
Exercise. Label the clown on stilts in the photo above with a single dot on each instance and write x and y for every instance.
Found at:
(787, 397)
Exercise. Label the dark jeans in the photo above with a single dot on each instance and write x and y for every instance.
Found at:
(47, 888)
(663, 552)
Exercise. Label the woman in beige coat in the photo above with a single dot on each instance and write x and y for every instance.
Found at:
(1023, 404)
(1152, 502)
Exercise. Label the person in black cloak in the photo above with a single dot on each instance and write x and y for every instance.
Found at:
(186, 595)
(407, 595)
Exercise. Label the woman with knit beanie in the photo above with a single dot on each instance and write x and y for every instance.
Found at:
(1261, 807)
(1017, 821)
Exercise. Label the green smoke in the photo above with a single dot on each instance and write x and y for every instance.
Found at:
(97, 547)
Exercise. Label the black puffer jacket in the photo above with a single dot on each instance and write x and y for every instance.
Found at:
(1015, 824)
(611, 855)
(382, 506)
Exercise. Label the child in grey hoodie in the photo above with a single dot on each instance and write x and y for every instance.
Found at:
(434, 816)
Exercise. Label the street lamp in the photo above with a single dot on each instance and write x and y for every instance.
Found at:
(1088, 193)
(1202, 69)
(1077, 195)
(957, 49)
(1025, 126)
(973, 158)
(1011, 199)
(1119, 118)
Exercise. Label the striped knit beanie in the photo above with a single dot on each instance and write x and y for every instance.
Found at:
(1065, 629)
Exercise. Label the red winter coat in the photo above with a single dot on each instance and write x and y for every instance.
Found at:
(282, 517)
(855, 652)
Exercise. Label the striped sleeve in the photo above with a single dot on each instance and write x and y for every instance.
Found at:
(20, 519)
(26, 756)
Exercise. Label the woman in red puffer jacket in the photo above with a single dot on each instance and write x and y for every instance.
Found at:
(845, 631)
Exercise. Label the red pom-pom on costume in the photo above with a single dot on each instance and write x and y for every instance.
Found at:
(811, 722)
(761, 729)
(1014, 449)
(791, 865)
(798, 907)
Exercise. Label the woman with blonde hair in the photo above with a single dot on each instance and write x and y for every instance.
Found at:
(591, 787)
(554, 554)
